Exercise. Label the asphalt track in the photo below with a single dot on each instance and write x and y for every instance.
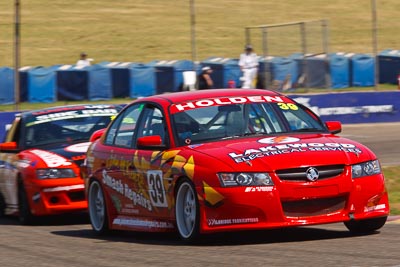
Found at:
(69, 241)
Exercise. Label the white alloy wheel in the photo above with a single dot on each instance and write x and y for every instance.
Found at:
(97, 208)
(187, 211)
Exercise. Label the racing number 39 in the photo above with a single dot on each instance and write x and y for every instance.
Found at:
(156, 189)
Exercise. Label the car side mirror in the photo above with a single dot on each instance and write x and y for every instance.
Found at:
(151, 142)
(334, 127)
(9, 146)
(97, 134)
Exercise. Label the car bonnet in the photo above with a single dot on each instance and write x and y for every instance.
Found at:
(278, 152)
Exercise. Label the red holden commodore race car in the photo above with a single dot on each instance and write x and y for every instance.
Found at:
(41, 157)
(224, 160)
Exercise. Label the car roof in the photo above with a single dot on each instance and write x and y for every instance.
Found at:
(211, 93)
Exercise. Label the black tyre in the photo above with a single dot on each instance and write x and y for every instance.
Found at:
(24, 209)
(365, 226)
(2, 206)
(97, 208)
(187, 211)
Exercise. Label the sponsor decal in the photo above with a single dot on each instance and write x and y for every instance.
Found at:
(52, 160)
(258, 189)
(138, 199)
(225, 101)
(63, 115)
(286, 148)
(142, 223)
(215, 222)
(78, 148)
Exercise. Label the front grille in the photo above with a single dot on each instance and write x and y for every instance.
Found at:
(76, 196)
(313, 207)
(299, 174)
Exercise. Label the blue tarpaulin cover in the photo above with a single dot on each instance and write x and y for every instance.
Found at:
(282, 67)
(142, 80)
(389, 66)
(99, 83)
(224, 70)
(169, 75)
(72, 84)
(6, 85)
(362, 70)
(340, 71)
(42, 84)
(120, 79)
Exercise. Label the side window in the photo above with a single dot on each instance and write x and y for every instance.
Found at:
(123, 128)
(153, 123)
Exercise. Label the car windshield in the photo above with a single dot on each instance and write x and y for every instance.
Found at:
(65, 127)
(237, 120)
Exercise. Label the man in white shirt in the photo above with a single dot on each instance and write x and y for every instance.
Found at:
(249, 66)
(83, 61)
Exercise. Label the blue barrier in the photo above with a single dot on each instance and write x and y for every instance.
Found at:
(389, 66)
(104, 81)
(354, 107)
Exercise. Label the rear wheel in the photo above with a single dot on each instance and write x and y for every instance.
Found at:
(187, 211)
(365, 226)
(97, 208)
(24, 209)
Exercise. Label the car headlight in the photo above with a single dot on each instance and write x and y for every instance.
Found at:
(365, 169)
(54, 173)
(245, 179)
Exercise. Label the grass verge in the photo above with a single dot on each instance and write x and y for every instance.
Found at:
(392, 175)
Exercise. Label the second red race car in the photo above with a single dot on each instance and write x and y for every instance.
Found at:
(41, 157)
(224, 160)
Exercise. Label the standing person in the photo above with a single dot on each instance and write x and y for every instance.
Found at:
(204, 79)
(249, 66)
(83, 61)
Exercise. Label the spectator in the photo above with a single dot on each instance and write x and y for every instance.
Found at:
(204, 79)
(83, 61)
(248, 64)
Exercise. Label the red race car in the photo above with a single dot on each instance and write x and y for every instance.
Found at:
(224, 160)
(41, 157)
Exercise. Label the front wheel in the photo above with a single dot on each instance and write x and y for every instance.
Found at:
(97, 208)
(24, 209)
(187, 211)
(365, 226)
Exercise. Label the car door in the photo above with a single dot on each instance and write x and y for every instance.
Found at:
(133, 177)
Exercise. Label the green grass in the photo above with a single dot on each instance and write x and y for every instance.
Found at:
(392, 175)
(56, 31)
